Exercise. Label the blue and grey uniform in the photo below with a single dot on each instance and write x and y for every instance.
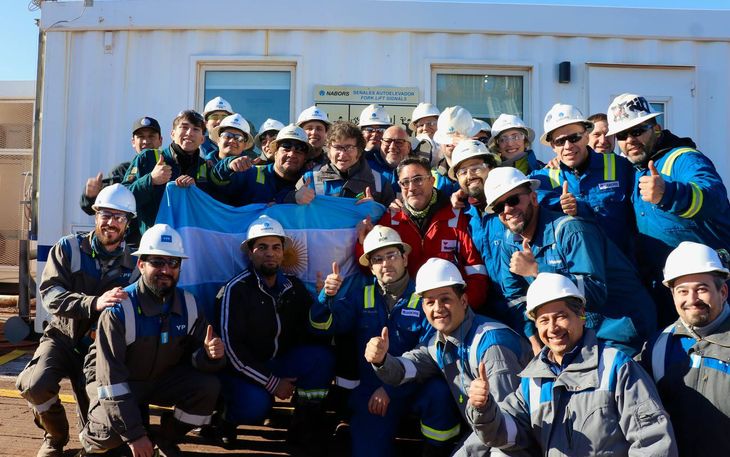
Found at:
(527, 164)
(456, 358)
(258, 184)
(618, 306)
(364, 311)
(208, 148)
(596, 402)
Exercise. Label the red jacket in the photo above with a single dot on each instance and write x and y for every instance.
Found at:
(448, 238)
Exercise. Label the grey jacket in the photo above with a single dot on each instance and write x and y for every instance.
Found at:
(693, 379)
(603, 403)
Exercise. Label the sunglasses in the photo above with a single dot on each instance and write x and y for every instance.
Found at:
(574, 138)
(512, 201)
(634, 132)
(373, 129)
(233, 136)
(292, 146)
(159, 262)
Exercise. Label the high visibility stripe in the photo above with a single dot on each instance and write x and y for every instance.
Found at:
(75, 254)
(320, 325)
(475, 270)
(454, 221)
(516, 302)
(191, 419)
(482, 330)
(312, 394)
(369, 297)
(192, 308)
(440, 435)
(115, 390)
(410, 369)
(695, 205)
(659, 352)
(605, 368)
(204, 169)
(157, 155)
(45, 406)
(413, 301)
(378, 181)
(510, 429)
(669, 163)
(554, 176)
(535, 391)
(318, 182)
(130, 327)
(345, 383)
(260, 176)
(609, 167)
(695, 360)
(580, 283)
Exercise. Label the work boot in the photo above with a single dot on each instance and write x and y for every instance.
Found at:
(51, 447)
(53, 421)
(308, 431)
(171, 432)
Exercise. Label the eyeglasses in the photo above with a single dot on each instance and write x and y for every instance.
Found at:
(380, 259)
(517, 136)
(373, 129)
(343, 148)
(634, 132)
(233, 136)
(416, 181)
(106, 216)
(474, 169)
(398, 142)
(266, 136)
(512, 201)
(574, 138)
(420, 125)
(161, 262)
(217, 117)
(292, 146)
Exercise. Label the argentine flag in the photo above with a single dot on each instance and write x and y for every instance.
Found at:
(322, 232)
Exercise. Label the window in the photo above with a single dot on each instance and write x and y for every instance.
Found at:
(255, 93)
(485, 92)
(659, 107)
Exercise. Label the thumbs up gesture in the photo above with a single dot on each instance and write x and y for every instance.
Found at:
(651, 186)
(479, 389)
(305, 194)
(333, 282)
(213, 344)
(568, 201)
(368, 197)
(377, 348)
(162, 172)
(94, 185)
(523, 262)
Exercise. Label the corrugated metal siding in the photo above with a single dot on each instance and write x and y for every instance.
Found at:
(89, 105)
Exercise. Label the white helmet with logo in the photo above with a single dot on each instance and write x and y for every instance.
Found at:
(691, 258)
(628, 110)
(548, 287)
(380, 237)
(313, 113)
(506, 122)
(421, 111)
(217, 104)
(468, 149)
(501, 181)
(290, 132)
(560, 115)
(437, 273)
(234, 121)
(374, 115)
(116, 197)
(483, 126)
(161, 239)
(265, 226)
(455, 121)
(269, 125)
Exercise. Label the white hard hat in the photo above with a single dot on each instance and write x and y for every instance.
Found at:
(560, 115)
(234, 121)
(506, 122)
(268, 126)
(501, 181)
(116, 197)
(217, 104)
(380, 237)
(290, 132)
(691, 258)
(161, 239)
(453, 121)
(465, 150)
(265, 226)
(437, 273)
(421, 111)
(628, 110)
(483, 125)
(313, 113)
(548, 287)
(374, 115)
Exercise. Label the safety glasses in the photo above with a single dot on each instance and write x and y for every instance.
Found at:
(512, 201)
(161, 262)
(292, 146)
(573, 138)
(634, 132)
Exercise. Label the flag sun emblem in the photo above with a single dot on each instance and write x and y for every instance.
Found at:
(295, 258)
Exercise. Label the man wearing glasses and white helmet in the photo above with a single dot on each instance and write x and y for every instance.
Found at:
(678, 194)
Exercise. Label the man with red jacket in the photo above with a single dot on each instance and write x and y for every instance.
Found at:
(433, 228)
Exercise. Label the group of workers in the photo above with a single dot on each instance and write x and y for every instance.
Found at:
(577, 307)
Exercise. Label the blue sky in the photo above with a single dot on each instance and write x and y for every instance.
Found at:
(19, 35)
